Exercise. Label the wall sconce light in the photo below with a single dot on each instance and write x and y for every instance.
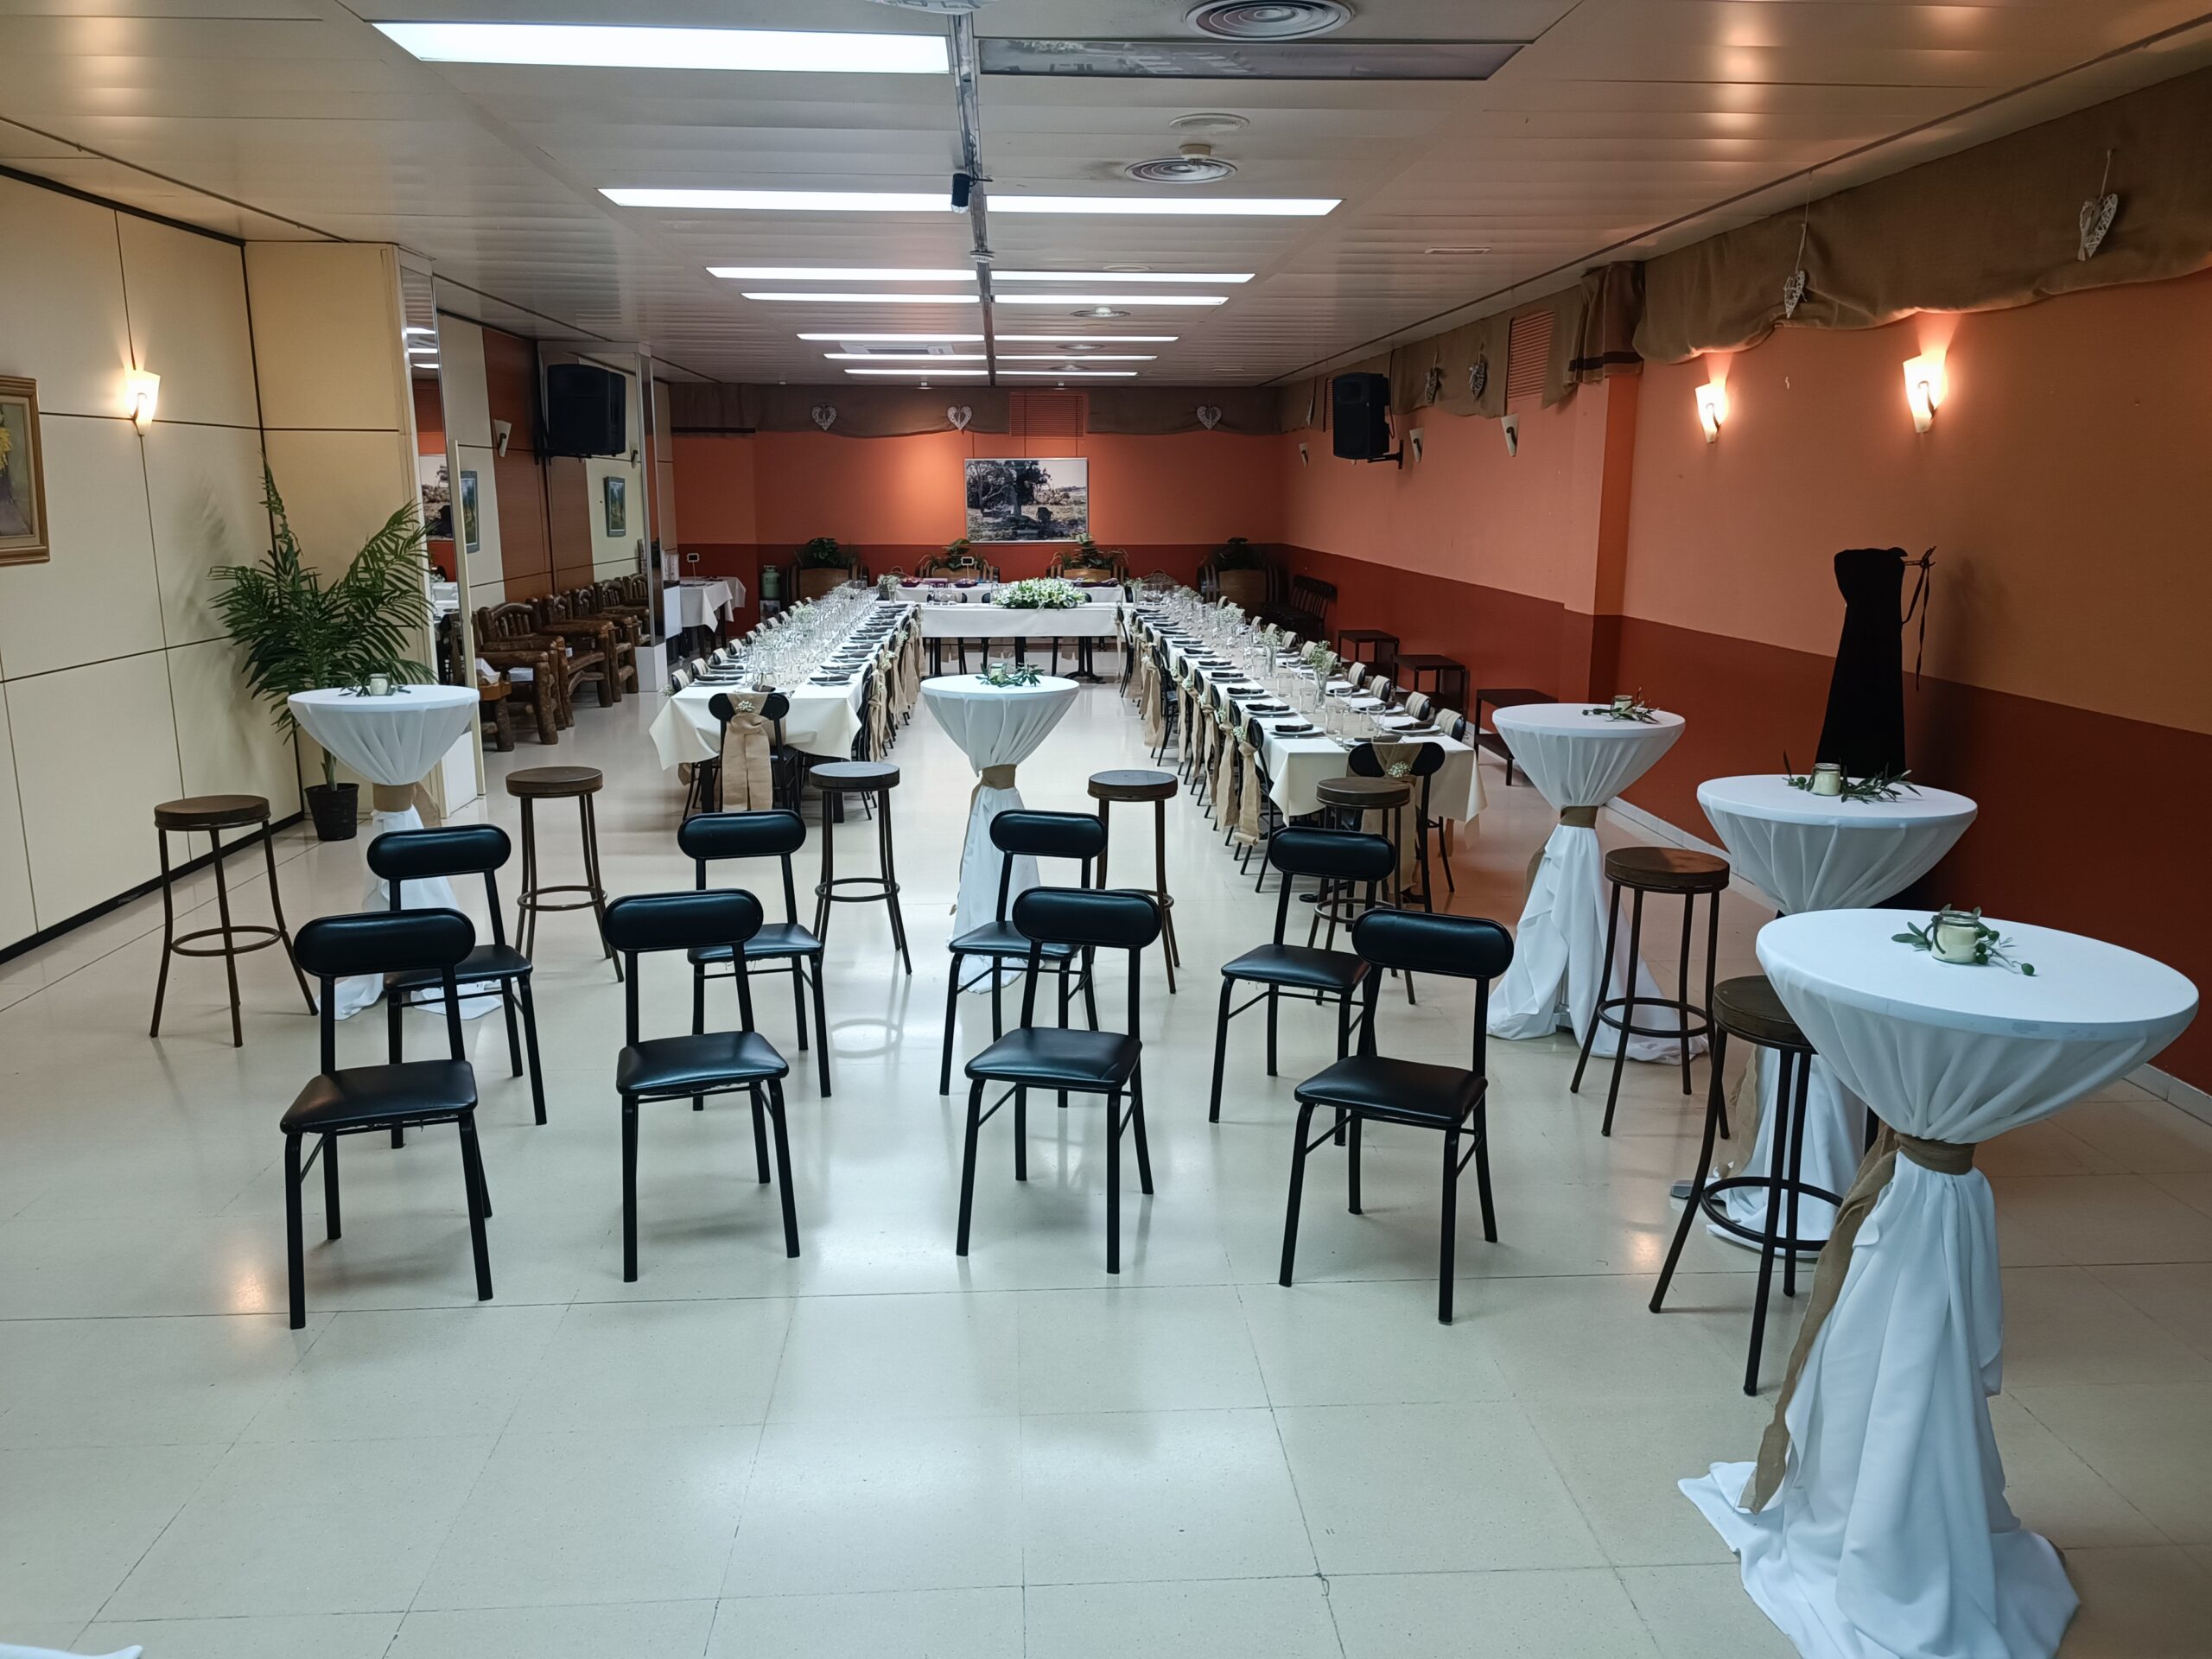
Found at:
(1711, 409)
(1511, 426)
(1923, 388)
(501, 431)
(1304, 457)
(144, 391)
(1414, 442)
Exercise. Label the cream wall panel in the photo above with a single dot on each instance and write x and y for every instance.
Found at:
(326, 335)
(486, 566)
(17, 919)
(461, 385)
(203, 485)
(89, 783)
(62, 320)
(339, 488)
(227, 743)
(186, 297)
(98, 595)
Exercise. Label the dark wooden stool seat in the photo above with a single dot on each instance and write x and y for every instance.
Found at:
(1345, 803)
(1367, 644)
(1132, 785)
(1748, 1010)
(1364, 794)
(874, 780)
(211, 815)
(1416, 663)
(1665, 871)
(579, 784)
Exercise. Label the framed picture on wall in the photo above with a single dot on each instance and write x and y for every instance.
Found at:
(471, 530)
(22, 475)
(614, 496)
(437, 497)
(1023, 500)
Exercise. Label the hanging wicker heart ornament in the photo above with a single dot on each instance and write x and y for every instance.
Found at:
(1208, 417)
(824, 415)
(959, 415)
(1479, 377)
(2096, 218)
(1432, 384)
(1793, 290)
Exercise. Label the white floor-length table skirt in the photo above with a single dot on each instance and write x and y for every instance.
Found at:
(824, 720)
(1889, 1534)
(1810, 853)
(395, 742)
(995, 727)
(998, 622)
(1576, 756)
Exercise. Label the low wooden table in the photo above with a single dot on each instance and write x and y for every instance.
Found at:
(1418, 663)
(1501, 697)
(1380, 646)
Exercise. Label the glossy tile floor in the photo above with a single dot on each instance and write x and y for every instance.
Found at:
(881, 1450)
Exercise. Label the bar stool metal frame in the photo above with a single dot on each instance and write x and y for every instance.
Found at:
(1748, 1009)
(714, 838)
(578, 784)
(872, 780)
(1137, 785)
(1353, 798)
(215, 814)
(1665, 871)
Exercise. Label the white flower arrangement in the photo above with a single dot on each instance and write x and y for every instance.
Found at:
(1038, 594)
(1321, 660)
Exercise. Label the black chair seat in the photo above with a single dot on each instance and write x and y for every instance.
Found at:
(1003, 939)
(1299, 966)
(1397, 1091)
(1046, 1056)
(774, 939)
(485, 962)
(359, 1097)
(692, 1064)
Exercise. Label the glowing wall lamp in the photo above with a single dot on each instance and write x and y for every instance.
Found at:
(1923, 388)
(144, 392)
(1711, 409)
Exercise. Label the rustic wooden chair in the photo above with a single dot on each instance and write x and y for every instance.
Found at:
(590, 639)
(629, 632)
(513, 627)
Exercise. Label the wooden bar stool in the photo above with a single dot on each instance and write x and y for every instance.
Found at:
(876, 779)
(215, 814)
(1132, 785)
(1643, 870)
(1749, 1009)
(579, 784)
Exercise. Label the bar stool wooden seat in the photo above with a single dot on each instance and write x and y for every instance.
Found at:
(1749, 1009)
(1345, 803)
(1133, 786)
(1662, 870)
(874, 779)
(578, 784)
(212, 815)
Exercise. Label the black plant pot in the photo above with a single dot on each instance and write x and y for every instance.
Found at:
(336, 809)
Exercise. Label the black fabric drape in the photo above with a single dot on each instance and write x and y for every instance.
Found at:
(1865, 726)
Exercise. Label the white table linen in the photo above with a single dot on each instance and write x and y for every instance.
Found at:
(824, 720)
(994, 726)
(395, 741)
(997, 622)
(1807, 852)
(1576, 758)
(698, 604)
(1890, 1534)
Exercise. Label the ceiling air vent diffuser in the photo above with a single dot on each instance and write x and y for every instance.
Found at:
(1269, 19)
(1195, 164)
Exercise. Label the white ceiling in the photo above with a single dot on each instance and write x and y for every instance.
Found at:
(1624, 127)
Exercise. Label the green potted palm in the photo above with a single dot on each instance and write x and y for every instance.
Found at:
(1241, 574)
(824, 565)
(296, 634)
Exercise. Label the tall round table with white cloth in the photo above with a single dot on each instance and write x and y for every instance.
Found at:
(395, 742)
(1890, 1534)
(1576, 756)
(1808, 852)
(997, 726)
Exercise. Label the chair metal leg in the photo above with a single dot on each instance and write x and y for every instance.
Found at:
(514, 1032)
(230, 944)
(1604, 984)
(951, 1010)
(784, 1168)
(530, 1048)
(1682, 985)
(1713, 1025)
(797, 965)
(891, 878)
(821, 1030)
(968, 1164)
(760, 1133)
(472, 1166)
(277, 910)
(169, 933)
(1627, 1008)
(1351, 1123)
(1796, 1173)
(1773, 1220)
(598, 886)
(1113, 1181)
(294, 1249)
(1136, 1123)
(331, 1224)
(629, 1189)
(1297, 1190)
(1274, 1002)
(1482, 1173)
(1220, 1048)
(1447, 1245)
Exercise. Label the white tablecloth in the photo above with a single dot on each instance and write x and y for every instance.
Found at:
(1810, 853)
(996, 622)
(994, 726)
(1576, 758)
(396, 741)
(698, 604)
(1107, 593)
(1890, 1534)
(824, 719)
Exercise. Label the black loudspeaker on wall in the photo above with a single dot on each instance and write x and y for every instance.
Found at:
(1360, 416)
(586, 410)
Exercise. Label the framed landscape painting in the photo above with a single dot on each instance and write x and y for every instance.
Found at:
(614, 493)
(1027, 500)
(22, 474)
(471, 533)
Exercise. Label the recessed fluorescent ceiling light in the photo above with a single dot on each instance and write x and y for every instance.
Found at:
(1069, 374)
(1024, 340)
(1089, 357)
(1109, 299)
(1111, 276)
(936, 201)
(805, 297)
(919, 374)
(611, 46)
(901, 273)
(904, 357)
(919, 340)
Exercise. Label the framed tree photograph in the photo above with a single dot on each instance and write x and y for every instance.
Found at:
(471, 532)
(615, 499)
(22, 475)
(1026, 500)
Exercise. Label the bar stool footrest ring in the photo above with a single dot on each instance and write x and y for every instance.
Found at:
(1708, 1201)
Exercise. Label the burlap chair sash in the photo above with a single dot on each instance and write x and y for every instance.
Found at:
(1224, 774)
(1250, 788)
(749, 779)
(1155, 704)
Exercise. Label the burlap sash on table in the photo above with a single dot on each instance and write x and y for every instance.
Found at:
(1571, 817)
(1248, 798)
(1944, 1158)
(397, 797)
(748, 782)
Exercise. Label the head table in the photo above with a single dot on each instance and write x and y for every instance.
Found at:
(1875, 1521)
(1808, 852)
(824, 720)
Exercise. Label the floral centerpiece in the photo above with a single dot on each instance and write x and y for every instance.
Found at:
(1038, 594)
(1321, 660)
(1004, 675)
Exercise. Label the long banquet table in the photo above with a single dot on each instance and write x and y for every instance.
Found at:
(824, 719)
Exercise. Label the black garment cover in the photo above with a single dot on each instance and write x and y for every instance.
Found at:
(1865, 726)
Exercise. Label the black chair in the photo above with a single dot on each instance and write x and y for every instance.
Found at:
(1329, 856)
(705, 794)
(403, 856)
(1425, 762)
(1411, 1092)
(704, 1063)
(1022, 834)
(1170, 704)
(1106, 1063)
(713, 836)
(361, 1099)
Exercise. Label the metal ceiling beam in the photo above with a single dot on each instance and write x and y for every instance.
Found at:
(968, 90)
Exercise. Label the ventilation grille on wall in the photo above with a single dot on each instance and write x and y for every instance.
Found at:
(1528, 355)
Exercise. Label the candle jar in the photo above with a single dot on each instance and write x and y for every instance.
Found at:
(380, 686)
(1623, 701)
(1828, 778)
(1957, 936)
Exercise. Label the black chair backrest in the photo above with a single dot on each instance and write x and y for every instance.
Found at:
(1426, 759)
(1416, 942)
(774, 708)
(1084, 918)
(710, 837)
(647, 921)
(1327, 855)
(1043, 835)
(403, 856)
(332, 948)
